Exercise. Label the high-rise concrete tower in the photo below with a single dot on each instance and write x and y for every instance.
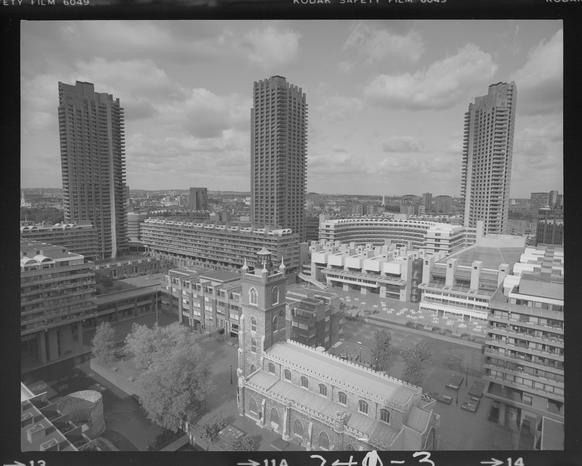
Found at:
(487, 155)
(91, 127)
(278, 155)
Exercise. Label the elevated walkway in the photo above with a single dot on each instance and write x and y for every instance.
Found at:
(308, 279)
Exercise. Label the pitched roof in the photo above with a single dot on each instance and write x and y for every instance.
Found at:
(352, 377)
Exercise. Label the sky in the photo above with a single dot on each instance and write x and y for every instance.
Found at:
(386, 98)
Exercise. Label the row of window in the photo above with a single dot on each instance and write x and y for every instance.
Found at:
(342, 397)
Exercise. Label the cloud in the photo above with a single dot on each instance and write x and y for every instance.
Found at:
(271, 47)
(373, 45)
(338, 108)
(440, 86)
(204, 114)
(403, 144)
(540, 80)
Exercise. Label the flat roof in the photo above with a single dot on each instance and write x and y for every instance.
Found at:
(145, 280)
(544, 289)
(491, 257)
(30, 248)
(220, 275)
(552, 434)
(355, 378)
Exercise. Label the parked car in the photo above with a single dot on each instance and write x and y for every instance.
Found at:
(447, 399)
(471, 404)
(455, 381)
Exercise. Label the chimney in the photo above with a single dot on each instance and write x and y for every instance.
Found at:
(502, 271)
(450, 273)
(475, 274)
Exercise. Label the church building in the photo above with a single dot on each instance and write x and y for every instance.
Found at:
(312, 398)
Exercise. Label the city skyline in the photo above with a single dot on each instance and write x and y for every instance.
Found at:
(389, 88)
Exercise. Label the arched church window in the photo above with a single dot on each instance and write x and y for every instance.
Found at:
(253, 324)
(323, 441)
(275, 295)
(253, 296)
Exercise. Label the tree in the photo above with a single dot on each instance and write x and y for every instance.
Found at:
(212, 428)
(103, 347)
(414, 359)
(382, 357)
(244, 443)
(174, 392)
(151, 346)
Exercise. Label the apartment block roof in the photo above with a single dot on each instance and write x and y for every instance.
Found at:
(490, 257)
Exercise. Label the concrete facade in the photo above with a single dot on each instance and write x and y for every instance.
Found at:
(92, 136)
(487, 156)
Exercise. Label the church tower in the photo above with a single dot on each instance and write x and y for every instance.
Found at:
(262, 320)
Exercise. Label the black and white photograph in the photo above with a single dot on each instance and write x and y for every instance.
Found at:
(292, 236)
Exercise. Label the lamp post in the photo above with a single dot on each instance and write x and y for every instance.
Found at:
(231, 374)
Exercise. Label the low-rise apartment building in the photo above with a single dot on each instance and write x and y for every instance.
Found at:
(218, 247)
(390, 270)
(76, 237)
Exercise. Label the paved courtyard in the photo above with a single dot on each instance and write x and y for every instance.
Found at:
(402, 312)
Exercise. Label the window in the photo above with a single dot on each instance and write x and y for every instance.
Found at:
(253, 368)
(287, 374)
(304, 382)
(342, 398)
(526, 399)
(363, 406)
(275, 295)
(275, 417)
(253, 345)
(275, 322)
(253, 408)
(323, 441)
(271, 368)
(253, 324)
(298, 428)
(385, 415)
(253, 296)
(322, 389)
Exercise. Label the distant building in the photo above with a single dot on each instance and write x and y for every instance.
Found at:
(131, 266)
(218, 247)
(443, 204)
(278, 155)
(538, 201)
(313, 317)
(57, 294)
(487, 157)
(134, 221)
(315, 399)
(198, 199)
(427, 202)
(92, 135)
(550, 227)
(78, 238)
(524, 352)
(463, 283)
(312, 228)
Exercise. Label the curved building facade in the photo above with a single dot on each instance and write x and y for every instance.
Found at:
(419, 234)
